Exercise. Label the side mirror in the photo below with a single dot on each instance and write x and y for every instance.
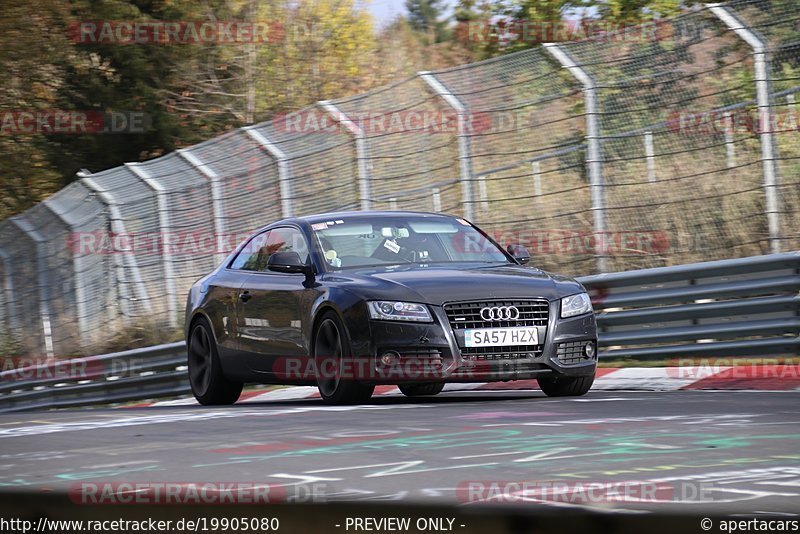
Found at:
(288, 262)
(520, 253)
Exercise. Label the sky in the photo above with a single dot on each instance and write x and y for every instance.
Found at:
(385, 11)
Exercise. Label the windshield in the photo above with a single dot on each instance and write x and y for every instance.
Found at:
(361, 242)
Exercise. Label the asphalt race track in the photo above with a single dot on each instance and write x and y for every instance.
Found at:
(726, 452)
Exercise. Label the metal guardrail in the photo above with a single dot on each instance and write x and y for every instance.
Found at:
(742, 307)
(728, 308)
(131, 375)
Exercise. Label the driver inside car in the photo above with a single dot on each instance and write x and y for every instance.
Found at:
(331, 256)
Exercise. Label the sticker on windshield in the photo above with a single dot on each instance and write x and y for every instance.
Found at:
(391, 245)
(462, 221)
(339, 222)
(319, 226)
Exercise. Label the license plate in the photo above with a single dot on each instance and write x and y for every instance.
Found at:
(501, 337)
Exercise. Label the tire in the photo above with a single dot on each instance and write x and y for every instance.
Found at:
(209, 385)
(331, 347)
(565, 386)
(420, 390)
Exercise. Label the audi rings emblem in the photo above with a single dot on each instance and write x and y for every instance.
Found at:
(500, 313)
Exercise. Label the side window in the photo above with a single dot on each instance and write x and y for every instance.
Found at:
(255, 254)
(252, 254)
(288, 240)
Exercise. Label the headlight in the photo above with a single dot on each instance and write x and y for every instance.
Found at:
(575, 305)
(398, 311)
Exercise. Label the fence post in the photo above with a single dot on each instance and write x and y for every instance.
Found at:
(536, 169)
(650, 156)
(464, 149)
(165, 229)
(284, 172)
(437, 200)
(216, 199)
(42, 281)
(766, 135)
(364, 177)
(8, 288)
(594, 158)
(80, 296)
(483, 194)
(117, 227)
(730, 149)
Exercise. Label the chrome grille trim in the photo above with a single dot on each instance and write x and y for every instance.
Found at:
(463, 315)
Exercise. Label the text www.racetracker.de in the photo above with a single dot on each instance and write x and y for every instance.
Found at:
(199, 524)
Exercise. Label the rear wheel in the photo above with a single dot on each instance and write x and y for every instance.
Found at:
(208, 383)
(565, 386)
(331, 351)
(421, 390)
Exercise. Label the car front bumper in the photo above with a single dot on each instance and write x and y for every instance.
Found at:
(430, 352)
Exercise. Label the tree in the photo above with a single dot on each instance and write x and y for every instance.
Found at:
(425, 16)
(321, 50)
(31, 59)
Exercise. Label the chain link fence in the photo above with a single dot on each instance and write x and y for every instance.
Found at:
(614, 153)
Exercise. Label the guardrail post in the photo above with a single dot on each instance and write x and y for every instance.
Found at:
(364, 177)
(117, 227)
(80, 296)
(42, 280)
(8, 287)
(594, 158)
(216, 199)
(284, 172)
(464, 149)
(766, 135)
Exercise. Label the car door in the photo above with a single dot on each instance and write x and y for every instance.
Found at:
(274, 307)
(222, 303)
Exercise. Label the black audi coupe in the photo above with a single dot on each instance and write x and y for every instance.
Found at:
(346, 301)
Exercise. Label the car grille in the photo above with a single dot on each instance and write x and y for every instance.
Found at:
(501, 353)
(463, 315)
(571, 352)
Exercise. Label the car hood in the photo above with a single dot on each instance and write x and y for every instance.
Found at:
(439, 284)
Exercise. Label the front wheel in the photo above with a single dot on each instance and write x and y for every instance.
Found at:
(209, 384)
(565, 386)
(420, 390)
(331, 354)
